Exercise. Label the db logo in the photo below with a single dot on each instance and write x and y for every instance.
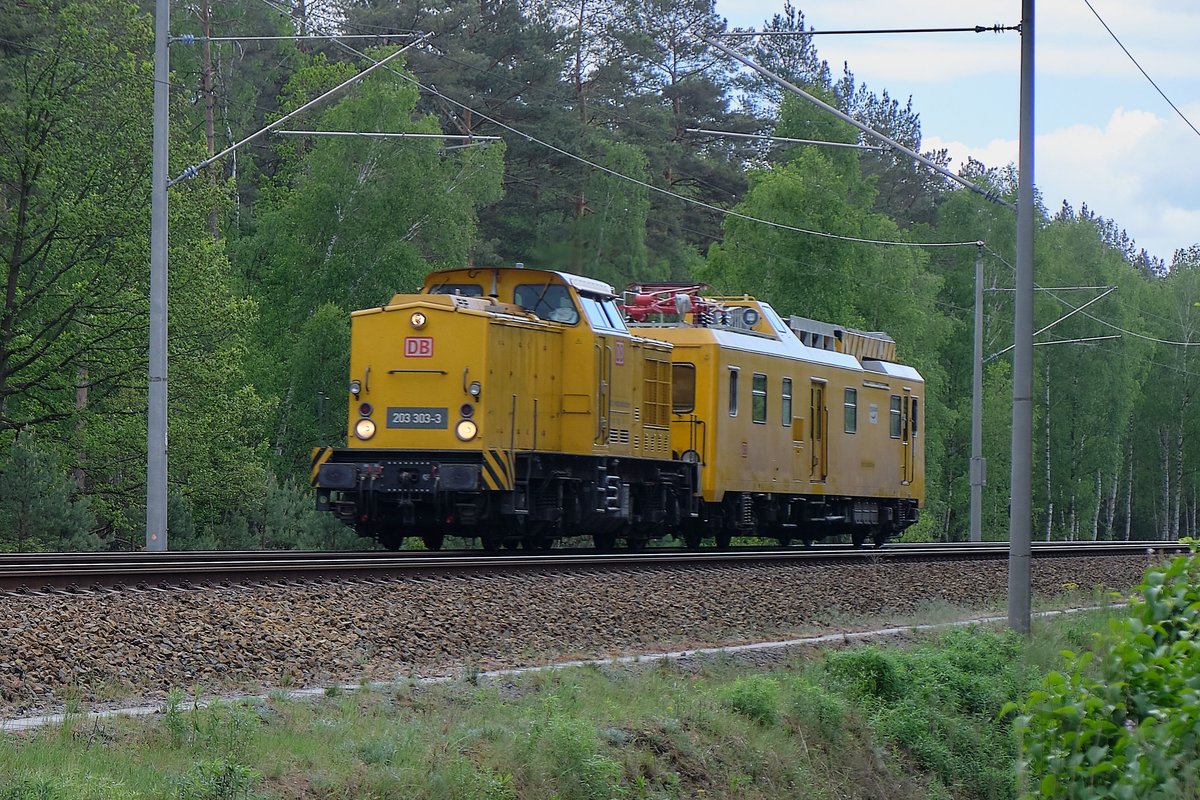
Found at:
(619, 353)
(418, 346)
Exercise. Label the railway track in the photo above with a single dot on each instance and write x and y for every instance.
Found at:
(231, 620)
(72, 572)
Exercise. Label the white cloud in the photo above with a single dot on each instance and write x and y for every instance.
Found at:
(1070, 41)
(1126, 171)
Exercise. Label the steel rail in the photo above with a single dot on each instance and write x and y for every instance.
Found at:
(76, 571)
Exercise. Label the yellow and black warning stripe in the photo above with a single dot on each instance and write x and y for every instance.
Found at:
(319, 456)
(498, 470)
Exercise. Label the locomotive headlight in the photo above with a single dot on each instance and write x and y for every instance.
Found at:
(466, 429)
(418, 320)
(355, 388)
(474, 389)
(364, 428)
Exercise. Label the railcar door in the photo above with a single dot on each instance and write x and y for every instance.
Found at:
(908, 429)
(818, 433)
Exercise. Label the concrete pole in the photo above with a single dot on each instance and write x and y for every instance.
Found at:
(1021, 505)
(156, 427)
(978, 465)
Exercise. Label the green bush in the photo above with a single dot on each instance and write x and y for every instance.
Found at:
(26, 789)
(219, 779)
(818, 710)
(41, 508)
(1128, 725)
(755, 696)
(867, 673)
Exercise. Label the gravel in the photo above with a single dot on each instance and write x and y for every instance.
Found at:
(104, 647)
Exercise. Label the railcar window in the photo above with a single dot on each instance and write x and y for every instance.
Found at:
(550, 301)
(851, 410)
(914, 416)
(683, 388)
(895, 416)
(758, 398)
(463, 289)
(786, 403)
(733, 391)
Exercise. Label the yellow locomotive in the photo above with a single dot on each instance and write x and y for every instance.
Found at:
(512, 405)
(520, 406)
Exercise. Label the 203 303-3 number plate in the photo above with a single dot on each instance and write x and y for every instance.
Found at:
(430, 418)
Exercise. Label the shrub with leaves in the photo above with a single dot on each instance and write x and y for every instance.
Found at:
(756, 696)
(40, 508)
(1125, 724)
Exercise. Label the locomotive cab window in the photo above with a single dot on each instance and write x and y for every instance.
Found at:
(733, 391)
(550, 301)
(785, 403)
(461, 289)
(913, 423)
(602, 313)
(851, 410)
(683, 388)
(895, 416)
(758, 398)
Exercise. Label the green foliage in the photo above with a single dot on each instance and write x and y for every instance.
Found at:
(867, 673)
(218, 779)
(756, 696)
(571, 750)
(1126, 724)
(938, 704)
(818, 709)
(40, 507)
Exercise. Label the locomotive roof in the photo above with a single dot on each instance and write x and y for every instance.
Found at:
(579, 282)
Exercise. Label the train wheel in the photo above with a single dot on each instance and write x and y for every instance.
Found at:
(691, 540)
(785, 541)
(724, 539)
(433, 541)
(858, 539)
(604, 541)
(489, 542)
(879, 537)
(537, 543)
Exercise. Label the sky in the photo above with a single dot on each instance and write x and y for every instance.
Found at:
(1104, 136)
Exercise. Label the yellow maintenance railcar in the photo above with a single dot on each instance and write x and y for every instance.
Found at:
(800, 431)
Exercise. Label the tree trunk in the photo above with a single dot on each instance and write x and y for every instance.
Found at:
(1163, 512)
(1177, 485)
(1049, 493)
(81, 402)
(206, 85)
(1128, 487)
(1110, 506)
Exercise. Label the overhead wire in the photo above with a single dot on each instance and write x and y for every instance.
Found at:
(649, 186)
(1139, 66)
(1094, 318)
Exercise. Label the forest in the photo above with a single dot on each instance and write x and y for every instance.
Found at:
(600, 166)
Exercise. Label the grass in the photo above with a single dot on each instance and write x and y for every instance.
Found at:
(860, 722)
